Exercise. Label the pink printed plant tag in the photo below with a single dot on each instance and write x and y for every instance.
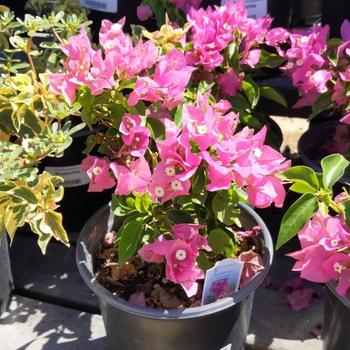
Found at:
(222, 280)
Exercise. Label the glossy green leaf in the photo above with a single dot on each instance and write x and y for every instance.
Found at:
(130, 235)
(333, 167)
(296, 217)
(157, 129)
(273, 95)
(219, 240)
(304, 178)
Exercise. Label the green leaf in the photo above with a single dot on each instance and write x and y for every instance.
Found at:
(346, 206)
(142, 202)
(25, 194)
(130, 235)
(219, 240)
(273, 95)
(304, 178)
(323, 103)
(302, 187)
(43, 241)
(180, 216)
(178, 116)
(54, 221)
(333, 167)
(296, 217)
(157, 129)
(118, 208)
(198, 181)
(203, 262)
(269, 60)
(251, 90)
(224, 206)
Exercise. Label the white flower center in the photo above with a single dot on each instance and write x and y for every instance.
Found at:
(97, 170)
(308, 73)
(290, 65)
(257, 152)
(159, 191)
(337, 267)
(202, 129)
(180, 254)
(334, 242)
(299, 62)
(109, 44)
(116, 28)
(176, 185)
(304, 39)
(170, 170)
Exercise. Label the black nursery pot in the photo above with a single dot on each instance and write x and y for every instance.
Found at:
(222, 325)
(77, 204)
(312, 145)
(336, 320)
(5, 275)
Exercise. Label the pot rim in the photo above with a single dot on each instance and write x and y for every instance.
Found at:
(332, 288)
(171, 314)
(305, 139)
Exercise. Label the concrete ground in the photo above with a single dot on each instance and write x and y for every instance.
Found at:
(34, 325)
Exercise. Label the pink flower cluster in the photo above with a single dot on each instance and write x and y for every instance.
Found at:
(179, 253)
(214, 28)
(310, 66)
(208, 137)
(168, 83)
(87, 67)
(325, 242)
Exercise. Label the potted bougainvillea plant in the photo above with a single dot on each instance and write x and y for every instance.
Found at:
(32, 127)
(176, 256)
(319, 69)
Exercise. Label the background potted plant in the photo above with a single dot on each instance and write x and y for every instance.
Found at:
(322, 225)
(180, 163)
(319, 69)
(32, 127)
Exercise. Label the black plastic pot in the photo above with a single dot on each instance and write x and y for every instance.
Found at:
(282, 15)
(334, 12)
(6, 283)
(222, 325)
(77, 204)
(336, 320)
(311, 143)
(306, 13)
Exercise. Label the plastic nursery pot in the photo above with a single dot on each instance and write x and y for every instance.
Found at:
(77, 204)
(306, 13)
(5, 274)
(334, 13)
(222, 325)
(336, 320)
(312, 146)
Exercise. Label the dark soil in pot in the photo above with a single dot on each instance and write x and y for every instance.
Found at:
(322, 140)
(77, 204)
(5, 275)
(221, 325)
(336, 320)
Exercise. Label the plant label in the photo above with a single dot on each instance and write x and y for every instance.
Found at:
(227, 347)
(101, 5)
(222, 280)
(255, 8)
(72, 175)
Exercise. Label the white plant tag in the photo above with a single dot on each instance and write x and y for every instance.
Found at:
(72, 175)
(255, 8)
(227, 347)
(101, 5)
(222, 280)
